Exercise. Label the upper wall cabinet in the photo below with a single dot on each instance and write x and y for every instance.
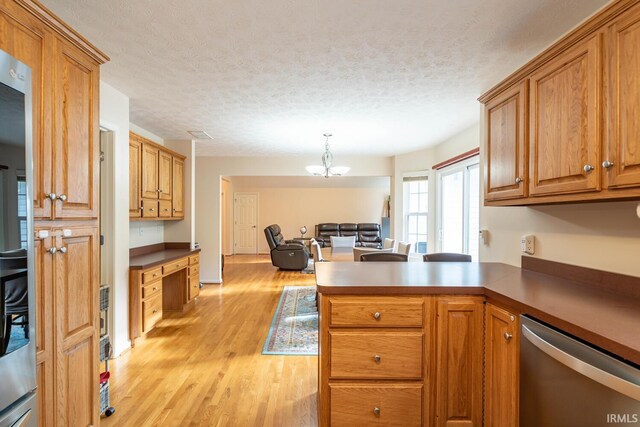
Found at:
(156, 181)
(578, 125)
(506, 171)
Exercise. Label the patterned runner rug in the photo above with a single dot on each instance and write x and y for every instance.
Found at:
(294, 329)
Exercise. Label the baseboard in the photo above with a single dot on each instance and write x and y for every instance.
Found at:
(211, 281)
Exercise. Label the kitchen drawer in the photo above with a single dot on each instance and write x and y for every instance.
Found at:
(151, 311)
(376, 404)
(194, 259)
(176, 265)
(194, 270)
(149, 208)
(376, 311)
(194, 286)
(376, 354)
(151, 289)
(151, 275)
(164, 208)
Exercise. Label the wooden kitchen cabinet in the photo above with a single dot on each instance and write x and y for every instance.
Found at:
(135, 159)
(459, 337)
(582, 135)
(621, 159)
(506, 171)
(76, 145)
(160, 194)
(65, 92)
(565, 112)
(501, 367)
(178, 188)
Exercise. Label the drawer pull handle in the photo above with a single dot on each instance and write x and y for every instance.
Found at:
(154, 289)
(376, 315)
(154, 311)
(376, 411)
(507, 336)
(377, 358)
(155, 274)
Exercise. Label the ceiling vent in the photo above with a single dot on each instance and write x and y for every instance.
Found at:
(199, 134)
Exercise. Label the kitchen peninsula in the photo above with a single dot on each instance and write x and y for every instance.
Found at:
(424, 343)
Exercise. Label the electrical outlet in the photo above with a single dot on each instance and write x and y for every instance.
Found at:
(527, 244)
(140, 231)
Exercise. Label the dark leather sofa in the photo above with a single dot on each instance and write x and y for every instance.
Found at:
(367, 234)
(286, 254)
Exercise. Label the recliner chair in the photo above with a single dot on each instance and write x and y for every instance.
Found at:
(286, 254)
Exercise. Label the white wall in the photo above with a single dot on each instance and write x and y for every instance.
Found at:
(293, 207)
(209, 171)
(114, 115)
(143, 233)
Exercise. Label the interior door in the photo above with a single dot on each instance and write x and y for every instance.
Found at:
(245, 214)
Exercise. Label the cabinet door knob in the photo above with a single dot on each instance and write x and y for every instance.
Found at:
(63, 250)
(151, 209)
(588, 168)
(507, 336)
(175, 210)
(51, 196)
(154, 311)
(52, 250)
(62, 197)
(377, 358)
(376, 315)
(154, 289)
(607, 164)
(376, 410)
(141, 208)
(518, 180)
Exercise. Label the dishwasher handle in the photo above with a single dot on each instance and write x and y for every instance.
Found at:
(596, 374)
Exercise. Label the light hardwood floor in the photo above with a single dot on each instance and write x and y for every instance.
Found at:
(206, 368)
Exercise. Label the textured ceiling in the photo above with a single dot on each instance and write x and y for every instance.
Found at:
(269, 77)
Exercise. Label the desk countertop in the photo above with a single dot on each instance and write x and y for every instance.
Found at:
(605, 318)
(153, 259)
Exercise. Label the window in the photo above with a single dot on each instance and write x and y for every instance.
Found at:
(416, 193)
(22, 210)
(459, 208)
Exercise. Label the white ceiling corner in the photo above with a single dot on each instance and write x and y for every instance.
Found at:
(269, 77)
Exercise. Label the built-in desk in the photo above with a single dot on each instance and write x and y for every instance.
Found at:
(163, 278)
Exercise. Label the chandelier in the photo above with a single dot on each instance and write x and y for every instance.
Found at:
(327, 169)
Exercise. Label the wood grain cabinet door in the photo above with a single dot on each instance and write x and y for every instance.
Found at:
(76, 145)
(44, 328)
(165, 167)
(501, 368)
(506, 156)
(31, 43)
(178, 187)
(621, 161)
(565, 112)
(76, 272)
(149, 168)
(135, 158)
(459, 361)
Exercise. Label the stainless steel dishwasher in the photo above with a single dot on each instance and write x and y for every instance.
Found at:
(565, 383)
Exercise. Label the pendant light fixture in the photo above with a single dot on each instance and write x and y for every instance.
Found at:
(327, 169)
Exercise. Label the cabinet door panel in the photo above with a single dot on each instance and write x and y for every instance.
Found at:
(29, 42)
(623, 102)
(135, 157)
(149, 172)
(564, 122)
(77, 320)
(44, 333)
(164, 175)
(459, 362)
(76, 147)
(178, 188)
(506, 157)
(501, 368)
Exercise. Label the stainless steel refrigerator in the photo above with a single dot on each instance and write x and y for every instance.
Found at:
(17, 278)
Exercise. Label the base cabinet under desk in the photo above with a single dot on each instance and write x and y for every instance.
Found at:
(161, 289)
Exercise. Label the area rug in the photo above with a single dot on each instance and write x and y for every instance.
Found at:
(310, 268)
(294, 329)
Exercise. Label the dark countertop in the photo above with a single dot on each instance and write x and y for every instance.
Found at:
(604, 318)
(153, 259)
